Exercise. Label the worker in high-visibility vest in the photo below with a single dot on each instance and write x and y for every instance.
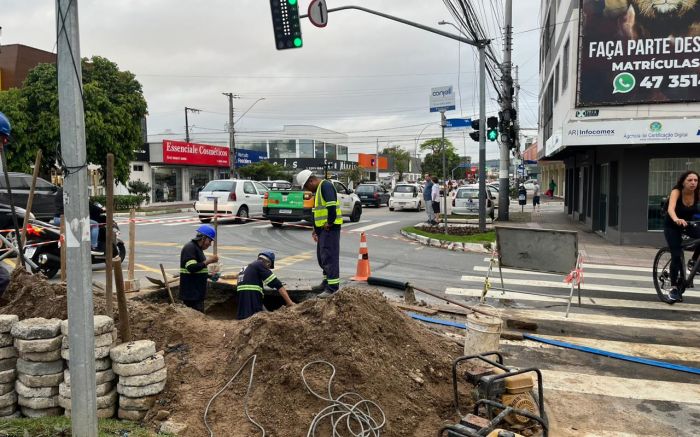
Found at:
(327, 218)
(194, 270)
(250, 289)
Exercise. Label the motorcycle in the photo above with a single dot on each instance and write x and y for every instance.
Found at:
(43, 248)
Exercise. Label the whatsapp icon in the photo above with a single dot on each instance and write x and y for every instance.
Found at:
(623, 83)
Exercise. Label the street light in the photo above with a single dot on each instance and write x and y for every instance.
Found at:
(249, 108)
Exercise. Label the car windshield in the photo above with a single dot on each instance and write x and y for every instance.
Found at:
(366, 189)
(469, 193)
(405, 189)
(220, 186)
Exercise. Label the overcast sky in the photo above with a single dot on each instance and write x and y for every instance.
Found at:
(361, 75)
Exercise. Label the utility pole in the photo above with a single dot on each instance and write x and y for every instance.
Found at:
(231, 133)
(376, 162)
(506, 106)
(443, 122)
(516, 103)
(187, 123)
(77, 221)
(482, 136)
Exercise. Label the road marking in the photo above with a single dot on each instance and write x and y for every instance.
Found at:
(496, 281)
(653, 351)
(345, 225)
(10, 262)
(627, 388)
(587, 266)
(221, 247)
(294, 259)
(266, 225)
(374, 226)
(586, 274)
(148, 269)
(599, 302)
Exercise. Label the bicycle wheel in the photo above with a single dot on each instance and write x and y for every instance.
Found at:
(662, 274)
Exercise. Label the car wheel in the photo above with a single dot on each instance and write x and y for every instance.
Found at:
(356, 213)
(391, 209)
(276, 224)
(242, 215)
(204, 219)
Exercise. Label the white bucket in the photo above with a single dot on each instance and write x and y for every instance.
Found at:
(483, 333)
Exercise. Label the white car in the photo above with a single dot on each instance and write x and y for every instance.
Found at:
(234, 196)
(466, 201)
(407, 196)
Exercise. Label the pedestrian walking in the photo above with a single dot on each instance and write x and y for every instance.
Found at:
(435, 199)
(326, 231)
(428, 198)
(250, 285)
(552, 188)
(536, 197)
(194, 270)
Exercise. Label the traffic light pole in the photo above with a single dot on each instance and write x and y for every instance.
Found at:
(507, 103)
(482, 138)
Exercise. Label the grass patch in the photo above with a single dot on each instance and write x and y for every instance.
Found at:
(61, 427)
(486, 237)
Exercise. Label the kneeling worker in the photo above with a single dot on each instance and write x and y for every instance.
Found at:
(251, 282)
(193, 267)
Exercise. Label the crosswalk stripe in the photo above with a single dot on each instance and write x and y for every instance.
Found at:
(586, 274)
(627, 388)
(586, 286)
(599, 302)
(652, 351)
(374, 226)
(345, 225)
(587, 266)
(266, 225)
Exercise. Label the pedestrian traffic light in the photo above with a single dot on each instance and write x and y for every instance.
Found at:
(475, 135)
(285, 23)
(492, 132)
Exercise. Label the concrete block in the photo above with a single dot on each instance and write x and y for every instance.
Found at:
(35, 392)
(40, 345)
(15, 415)
(140, 404)
(142, 380)
(100, 353)
(103, 364)
(8, 399)
(8, 364)
(8, 411)
(38, 381)
(100, 377)
(139, 392)
(41, 356)
(7, 321)
(133, 351)
(38, 403)
(39, 368)
(149, 365)
(102, 413)
(101, 340)
(36, 413)
(107, 401)
(8, 352)
(100, 390)
(8, 376)
(36, 328)
(102, 325)
(133, 415)
(6, 339)
(6, 388)
(174, 428)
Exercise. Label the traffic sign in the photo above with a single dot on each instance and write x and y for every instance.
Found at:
(442, 99)
(318, 13)
(458, 122)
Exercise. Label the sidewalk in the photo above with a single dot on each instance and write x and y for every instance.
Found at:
(593, 247)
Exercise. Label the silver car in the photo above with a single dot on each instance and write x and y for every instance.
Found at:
(466, 201)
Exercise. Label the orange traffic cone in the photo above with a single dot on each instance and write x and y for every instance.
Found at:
(363, 270)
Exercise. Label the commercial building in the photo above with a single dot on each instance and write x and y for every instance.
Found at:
(17, 60)
(618, 106)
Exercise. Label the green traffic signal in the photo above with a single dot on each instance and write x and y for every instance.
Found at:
(292, 2)
(492, 134)
(297, 41)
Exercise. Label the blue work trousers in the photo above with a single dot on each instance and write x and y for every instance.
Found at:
(328, 255)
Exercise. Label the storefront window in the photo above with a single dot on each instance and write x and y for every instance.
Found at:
(331, 151)
(167, 184)
(283, 149)
(257, 146)
(198, 179)
(663, 174)
(306, 148)
(319, 150)
(342, 153)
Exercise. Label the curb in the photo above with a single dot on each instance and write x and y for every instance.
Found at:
(449, 245)
(155, 212)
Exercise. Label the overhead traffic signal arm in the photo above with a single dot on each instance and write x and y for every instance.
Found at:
(285, 23)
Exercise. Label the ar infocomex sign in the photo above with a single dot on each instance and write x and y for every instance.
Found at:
(442, 99)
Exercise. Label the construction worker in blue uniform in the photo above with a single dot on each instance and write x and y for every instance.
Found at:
(327, 220)
(251, 282)
(193, 268)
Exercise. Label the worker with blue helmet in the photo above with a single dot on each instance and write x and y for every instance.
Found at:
(257, 275)
(194, 270)
(5, 129)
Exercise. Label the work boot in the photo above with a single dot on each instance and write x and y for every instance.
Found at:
(319, 287)
(325, 295)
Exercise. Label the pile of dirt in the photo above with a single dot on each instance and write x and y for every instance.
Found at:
(378, 352)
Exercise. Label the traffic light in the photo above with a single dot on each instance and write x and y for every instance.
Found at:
(285, 23)
(475, 135)
(492, 132)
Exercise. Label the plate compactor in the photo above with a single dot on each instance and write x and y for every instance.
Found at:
(501, 394)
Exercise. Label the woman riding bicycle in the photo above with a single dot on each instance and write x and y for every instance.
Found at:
(682, 206)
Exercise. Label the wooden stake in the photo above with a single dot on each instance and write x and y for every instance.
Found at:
(216, 225)
(30, 200)
(167, 284)
(63, 248)
(109, 256)
(124, 327)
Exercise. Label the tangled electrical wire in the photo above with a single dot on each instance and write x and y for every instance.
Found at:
(349, 412)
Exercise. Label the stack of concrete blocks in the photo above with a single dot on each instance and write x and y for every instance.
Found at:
(39, 367)
(8, 363)
(105, 338)
(142, 376)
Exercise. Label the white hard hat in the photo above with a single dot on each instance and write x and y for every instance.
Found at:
(303, 176)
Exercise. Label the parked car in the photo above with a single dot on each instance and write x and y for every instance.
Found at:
(235, 196)
(277, 185)
(373, 194)
(466, 201)
(407, 196)
(44, 194)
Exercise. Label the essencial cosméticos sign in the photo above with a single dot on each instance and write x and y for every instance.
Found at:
(184, 153)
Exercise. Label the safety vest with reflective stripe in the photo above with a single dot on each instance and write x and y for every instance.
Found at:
(320, 208)
(189, 263)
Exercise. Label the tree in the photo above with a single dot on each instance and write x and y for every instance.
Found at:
(400, 157)
(432, 163)
(20, 154)
(262, 171)
(114, 107)
(434, 145)
(140, 188)
(355, 175)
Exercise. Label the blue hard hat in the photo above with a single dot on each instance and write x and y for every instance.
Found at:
(269, 255)
(208, 231)
(5, 127)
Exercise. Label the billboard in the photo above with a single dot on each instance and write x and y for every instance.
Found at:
(314, 164)
(245, 157)
(638, 52)
(183, 153)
